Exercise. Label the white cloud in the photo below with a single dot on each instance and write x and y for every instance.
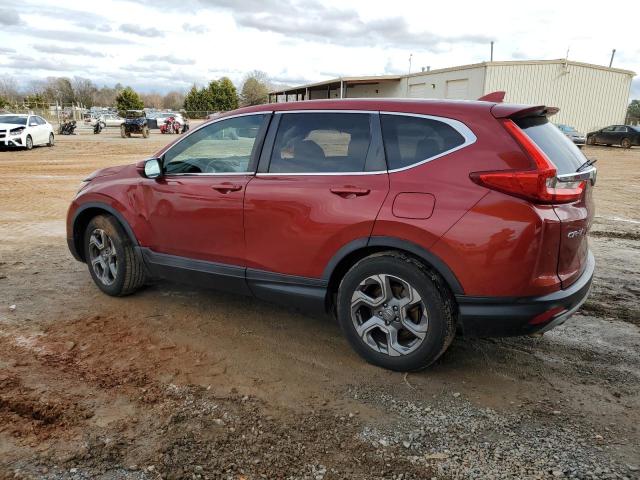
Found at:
(299, 40)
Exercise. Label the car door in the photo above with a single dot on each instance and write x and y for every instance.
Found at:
(43, 126)
(34, 130)
(606, 135)
(320, 184)
(194, 210)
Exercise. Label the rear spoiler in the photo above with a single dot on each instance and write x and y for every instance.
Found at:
(510, 110)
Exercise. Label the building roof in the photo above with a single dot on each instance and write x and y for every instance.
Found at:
(382, 78)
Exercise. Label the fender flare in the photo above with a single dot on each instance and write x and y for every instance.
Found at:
(73, 242)
(399, 244)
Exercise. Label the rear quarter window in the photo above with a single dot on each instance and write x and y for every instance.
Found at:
(560, 150)
(410, 140)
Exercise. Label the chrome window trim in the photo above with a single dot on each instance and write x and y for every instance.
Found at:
(457, 125)
(206, 124)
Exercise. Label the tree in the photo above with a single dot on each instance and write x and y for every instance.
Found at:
(195, 100)
(152, 100)
(37, 100)
(105, 97)
(128, 99)
(173, 100)
(9, 89)
(3, 102)
(227, 95)
(59, 89)
(633, 111)
(255, 88)
(84, 91)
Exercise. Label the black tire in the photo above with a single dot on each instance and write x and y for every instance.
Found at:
(591, 140)
(130, 273)
(123, 131)
(51, 140)
(437, 303)
(625, 143)
(28, 144)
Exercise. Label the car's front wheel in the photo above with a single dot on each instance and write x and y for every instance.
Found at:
(110, 256)
(395, 312)
(28, 142)
(51, 140)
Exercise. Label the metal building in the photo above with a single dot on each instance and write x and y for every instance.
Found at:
(589, 96)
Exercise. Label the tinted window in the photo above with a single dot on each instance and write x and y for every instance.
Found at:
(621, 129)
(222, 147)
(560, 150)
(14, 119)
(410, 140)
(608, 129)
(321, 142)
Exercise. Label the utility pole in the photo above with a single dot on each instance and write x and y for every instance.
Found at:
(613, 54)
(492, 50)
(410, 55)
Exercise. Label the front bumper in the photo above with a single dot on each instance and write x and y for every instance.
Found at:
(499, 317)
(579, 140)
(9, 140)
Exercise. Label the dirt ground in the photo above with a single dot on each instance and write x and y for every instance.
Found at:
(176, 382)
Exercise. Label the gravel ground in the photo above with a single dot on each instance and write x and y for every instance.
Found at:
(176, 382)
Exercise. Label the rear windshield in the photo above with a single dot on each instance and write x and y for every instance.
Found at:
(15, 119)
(560, 150)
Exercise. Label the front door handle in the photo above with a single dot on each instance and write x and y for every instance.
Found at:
(227, 187)
(350, 192)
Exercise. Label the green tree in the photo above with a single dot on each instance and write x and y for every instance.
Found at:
(3, 102)
(37, 100)
(255, 89)
(227, 95)
(195, 101)
(633, 111)
(128, 99)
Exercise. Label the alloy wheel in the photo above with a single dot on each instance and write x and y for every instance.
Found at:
(389, 315)
(103, 257)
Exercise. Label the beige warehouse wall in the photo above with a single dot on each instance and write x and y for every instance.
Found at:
(434, 84)
(589, 98)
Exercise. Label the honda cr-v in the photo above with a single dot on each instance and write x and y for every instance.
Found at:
(407, 219)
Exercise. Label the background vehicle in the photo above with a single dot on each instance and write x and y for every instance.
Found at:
(111, 120)
(67, 127)
(135, 123)
(25, 131)
(97, 128)
(407, 220)
(579, 139)
(162, 117)
(170, 125)
(624, 135)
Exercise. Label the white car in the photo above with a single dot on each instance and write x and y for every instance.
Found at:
(25, 131)
(111, 120)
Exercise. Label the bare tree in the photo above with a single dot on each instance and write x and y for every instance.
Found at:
(152, 100)
(9, 89)
(255, 88)
(173, 101)
(84, 91)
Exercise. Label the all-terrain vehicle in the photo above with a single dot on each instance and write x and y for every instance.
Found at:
(135, 122)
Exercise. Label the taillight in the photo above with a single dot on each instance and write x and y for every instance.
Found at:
(540, 184)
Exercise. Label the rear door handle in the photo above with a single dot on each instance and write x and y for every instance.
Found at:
(350, 192)
(227, 187)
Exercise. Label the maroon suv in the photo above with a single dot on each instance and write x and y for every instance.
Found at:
(407, 219)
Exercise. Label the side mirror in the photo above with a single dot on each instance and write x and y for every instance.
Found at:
(152, 168)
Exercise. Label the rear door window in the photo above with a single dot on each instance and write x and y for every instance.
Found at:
(321, 143)
(410, 140)
(560, 150)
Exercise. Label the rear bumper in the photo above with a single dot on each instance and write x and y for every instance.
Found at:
(500, 316)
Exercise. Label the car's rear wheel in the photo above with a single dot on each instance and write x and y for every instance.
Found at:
(145, 132)
(591, 140)
(112, 261)
(28, 142)
(625, 143)
(51, 140)
(123, 131)
(395, 312)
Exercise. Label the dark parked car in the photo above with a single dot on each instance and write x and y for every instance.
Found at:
(135, 121)
(572, 134)
(408, 220)
(624, 135)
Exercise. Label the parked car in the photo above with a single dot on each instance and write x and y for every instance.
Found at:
(25, 131)
(624, 135)
(110, 120)
(135, 123)
(408, 220)
(579, 139)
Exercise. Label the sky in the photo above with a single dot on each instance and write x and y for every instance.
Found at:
(157, 46)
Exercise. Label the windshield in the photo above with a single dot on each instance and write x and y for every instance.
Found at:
(17, 119)
(637, 129)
